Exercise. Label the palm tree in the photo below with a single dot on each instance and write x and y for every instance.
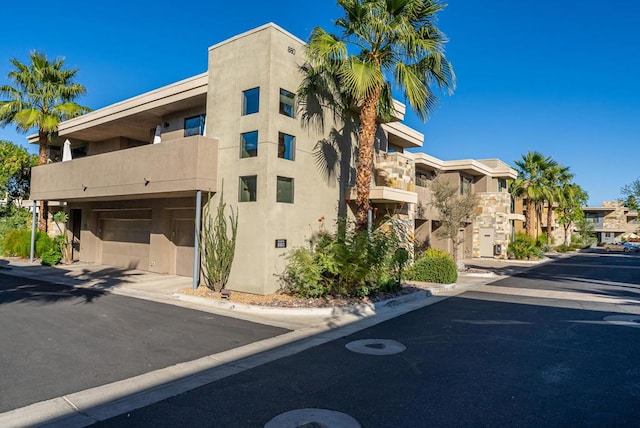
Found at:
(394, 41)
(41, 97)
(530, 184)
(556, 177)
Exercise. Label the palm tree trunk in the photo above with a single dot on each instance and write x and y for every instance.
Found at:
(530, 214)
(549, 221)
(43, 210)
(366, 138)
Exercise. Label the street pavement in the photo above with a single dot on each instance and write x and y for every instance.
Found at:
(544, 347)
(57, 339)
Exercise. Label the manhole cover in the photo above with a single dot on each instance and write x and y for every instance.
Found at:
(376, 346)
(624, 320)
(312, 418)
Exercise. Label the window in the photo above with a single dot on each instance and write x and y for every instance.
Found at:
(502, 184)
(286, 146)
(247, 191)
(250, 101)
(284, 191)
(194, 125)
(465, 185)
(249, 144)
(286, 102)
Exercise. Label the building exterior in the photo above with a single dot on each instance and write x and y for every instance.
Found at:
(143, 168)
(612, 221)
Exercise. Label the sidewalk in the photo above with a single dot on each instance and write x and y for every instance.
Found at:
(310, 327)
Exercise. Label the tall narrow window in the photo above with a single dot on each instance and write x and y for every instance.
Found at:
(286, 146)
(502, 185)
(284, 190)
(194, 125)
(286, 102)
(250, 101)
(465, 185)
(249, 144)
(248, 188)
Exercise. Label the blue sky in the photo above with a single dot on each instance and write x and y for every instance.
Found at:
(560, 77)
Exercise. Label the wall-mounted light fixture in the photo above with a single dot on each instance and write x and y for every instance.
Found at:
(146, 182)
(84, 188)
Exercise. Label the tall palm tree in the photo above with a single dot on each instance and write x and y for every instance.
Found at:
(530, 184)
(556, 177)
(392, 41)
(41, 96)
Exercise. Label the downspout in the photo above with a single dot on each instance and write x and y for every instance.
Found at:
(196, 243)
(33, 232)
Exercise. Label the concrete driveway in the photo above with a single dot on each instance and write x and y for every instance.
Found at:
(57, 339)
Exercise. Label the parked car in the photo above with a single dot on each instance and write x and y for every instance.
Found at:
(627, 247)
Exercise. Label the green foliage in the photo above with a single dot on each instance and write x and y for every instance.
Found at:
(436, 252)
(17, 243)
(563, 248)
(15, 170)
(542, 240)
(348, 263)
(51, 257)
(218, 243)
(439, 269)
(523, 247)
(399, 261)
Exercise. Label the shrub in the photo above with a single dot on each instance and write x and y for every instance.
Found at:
(440, 269)
(563, 248)
(541, 241)
(436, 252)
(523, 247)
(17, 243)
(52, 257)
(349, 263)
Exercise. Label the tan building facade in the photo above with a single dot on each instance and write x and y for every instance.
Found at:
(612, 221)
(144, 168)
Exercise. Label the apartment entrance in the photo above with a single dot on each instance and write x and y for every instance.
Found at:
(487, 238)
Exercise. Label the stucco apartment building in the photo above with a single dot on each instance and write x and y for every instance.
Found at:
(144, 168)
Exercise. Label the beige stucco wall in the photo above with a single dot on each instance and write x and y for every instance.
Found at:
(268, 59)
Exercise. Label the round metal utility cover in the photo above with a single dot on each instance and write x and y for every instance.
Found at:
(624, 320)
(312, 418)
(376, 346)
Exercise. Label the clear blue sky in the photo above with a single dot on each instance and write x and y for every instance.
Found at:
(560, 77)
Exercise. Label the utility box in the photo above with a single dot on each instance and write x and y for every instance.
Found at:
(497, 249)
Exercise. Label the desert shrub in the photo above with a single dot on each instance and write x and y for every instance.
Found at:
(440, 269)
(348, 263)
(52, 257)
(523, 247)
(17, 243)
(436, 252)
(563, 248)
(541, 241)
(12, 218)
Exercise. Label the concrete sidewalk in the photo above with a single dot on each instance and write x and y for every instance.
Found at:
(311, 327)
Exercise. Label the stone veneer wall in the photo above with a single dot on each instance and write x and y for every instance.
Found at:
(493, 212)
(395, 170)
(615, 220)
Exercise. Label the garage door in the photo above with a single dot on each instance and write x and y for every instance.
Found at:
(125, 238)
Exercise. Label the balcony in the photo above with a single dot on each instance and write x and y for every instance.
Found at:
(174, 167)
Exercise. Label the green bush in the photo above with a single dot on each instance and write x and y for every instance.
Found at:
(523, 247)
(563, 248)
(436, 252)
(12, 218)
(541, 241)
(439, 269)
(349, 263)
(51, 257)
(17, 243)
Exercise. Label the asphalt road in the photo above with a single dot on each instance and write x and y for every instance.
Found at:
(56, 340)
(499, 356)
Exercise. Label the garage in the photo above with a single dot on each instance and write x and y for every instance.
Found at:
(126, 237)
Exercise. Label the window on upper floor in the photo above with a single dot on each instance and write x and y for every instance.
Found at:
(502, 184)
(286, 146)
(284, 190)
(287, 102)
(249, 144)
(465, 185)
(247, 191)
(194, 125)
(250, 101)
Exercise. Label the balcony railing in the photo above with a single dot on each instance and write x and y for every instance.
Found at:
(182, 165)
(395, 170)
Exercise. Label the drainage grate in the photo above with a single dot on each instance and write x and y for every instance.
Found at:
(376, 347)
(624, 320)
(312, 418)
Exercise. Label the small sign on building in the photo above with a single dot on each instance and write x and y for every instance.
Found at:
(281, 243)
